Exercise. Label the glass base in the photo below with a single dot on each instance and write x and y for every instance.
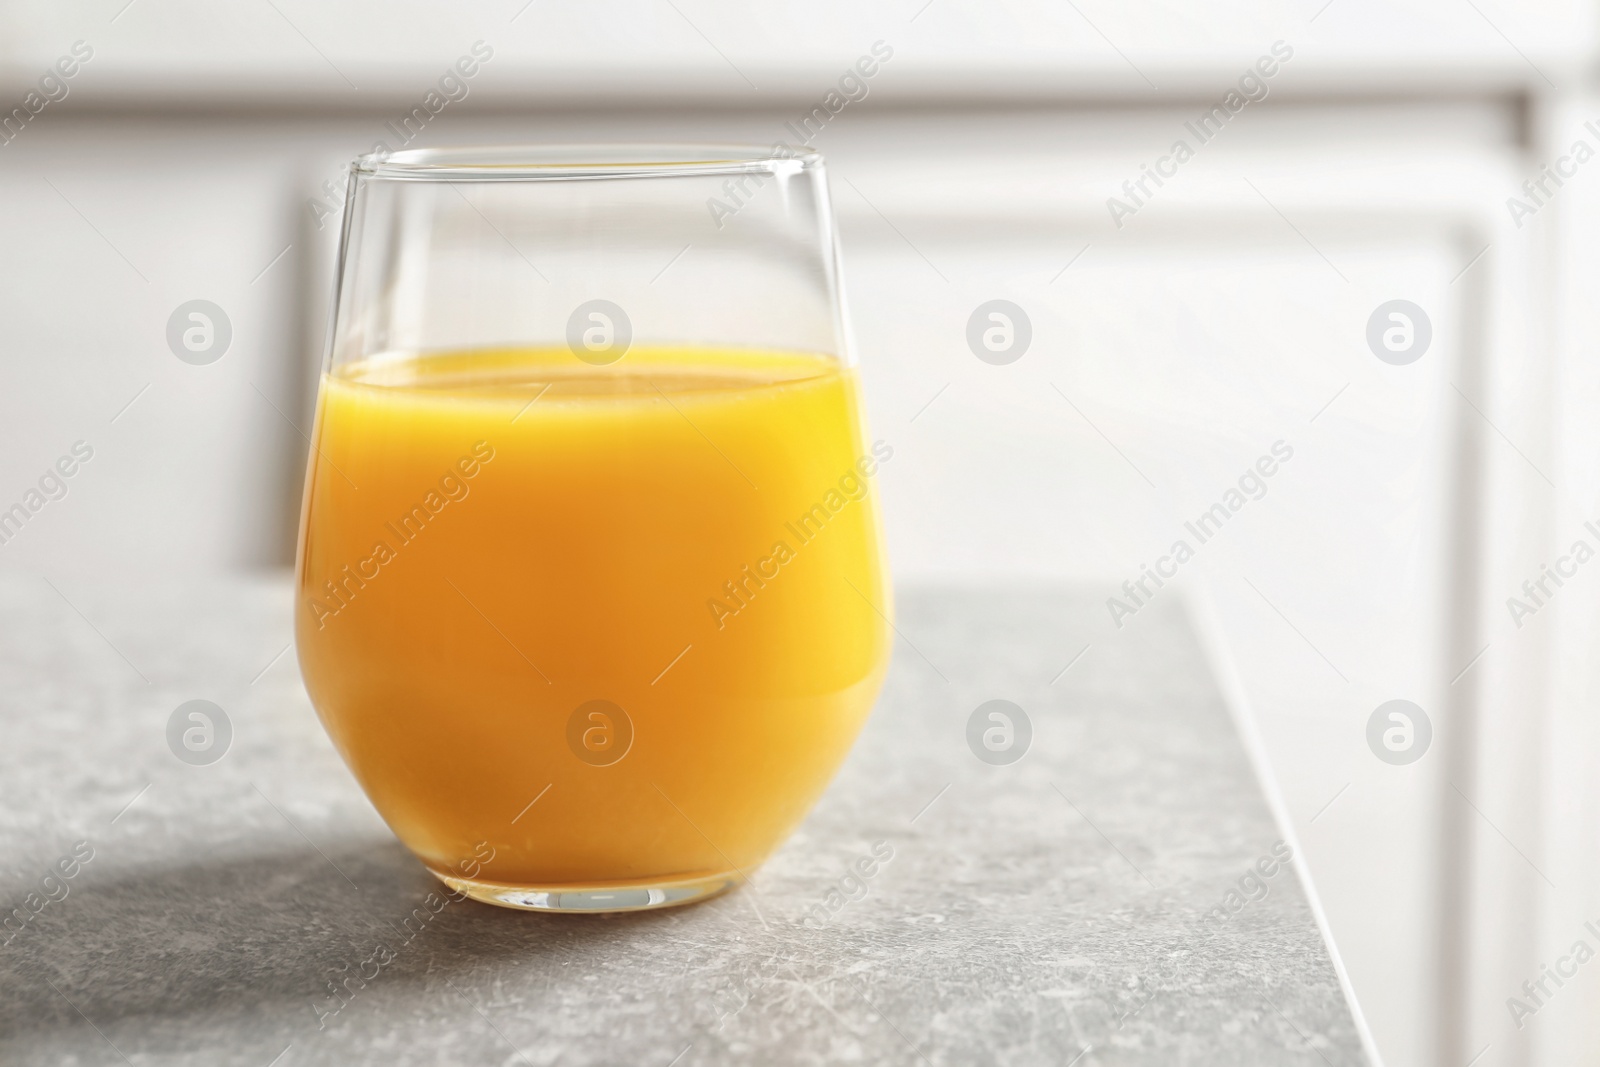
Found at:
(594, 899)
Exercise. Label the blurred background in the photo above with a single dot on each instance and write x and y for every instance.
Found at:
(1340, 155)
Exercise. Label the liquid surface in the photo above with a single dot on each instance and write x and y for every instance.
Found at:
(621, 623)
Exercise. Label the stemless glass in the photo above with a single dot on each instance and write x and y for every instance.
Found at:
(591, 594)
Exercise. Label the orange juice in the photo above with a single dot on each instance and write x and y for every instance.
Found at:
(621, 623)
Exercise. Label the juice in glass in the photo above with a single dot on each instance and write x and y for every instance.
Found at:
(621, 623)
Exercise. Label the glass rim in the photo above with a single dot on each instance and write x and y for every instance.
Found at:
(547, 162)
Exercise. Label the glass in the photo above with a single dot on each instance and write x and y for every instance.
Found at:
(591, 594)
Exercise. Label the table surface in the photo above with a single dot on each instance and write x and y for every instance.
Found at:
(1072, 907)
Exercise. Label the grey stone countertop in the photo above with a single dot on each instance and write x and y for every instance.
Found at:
(1072, 907)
